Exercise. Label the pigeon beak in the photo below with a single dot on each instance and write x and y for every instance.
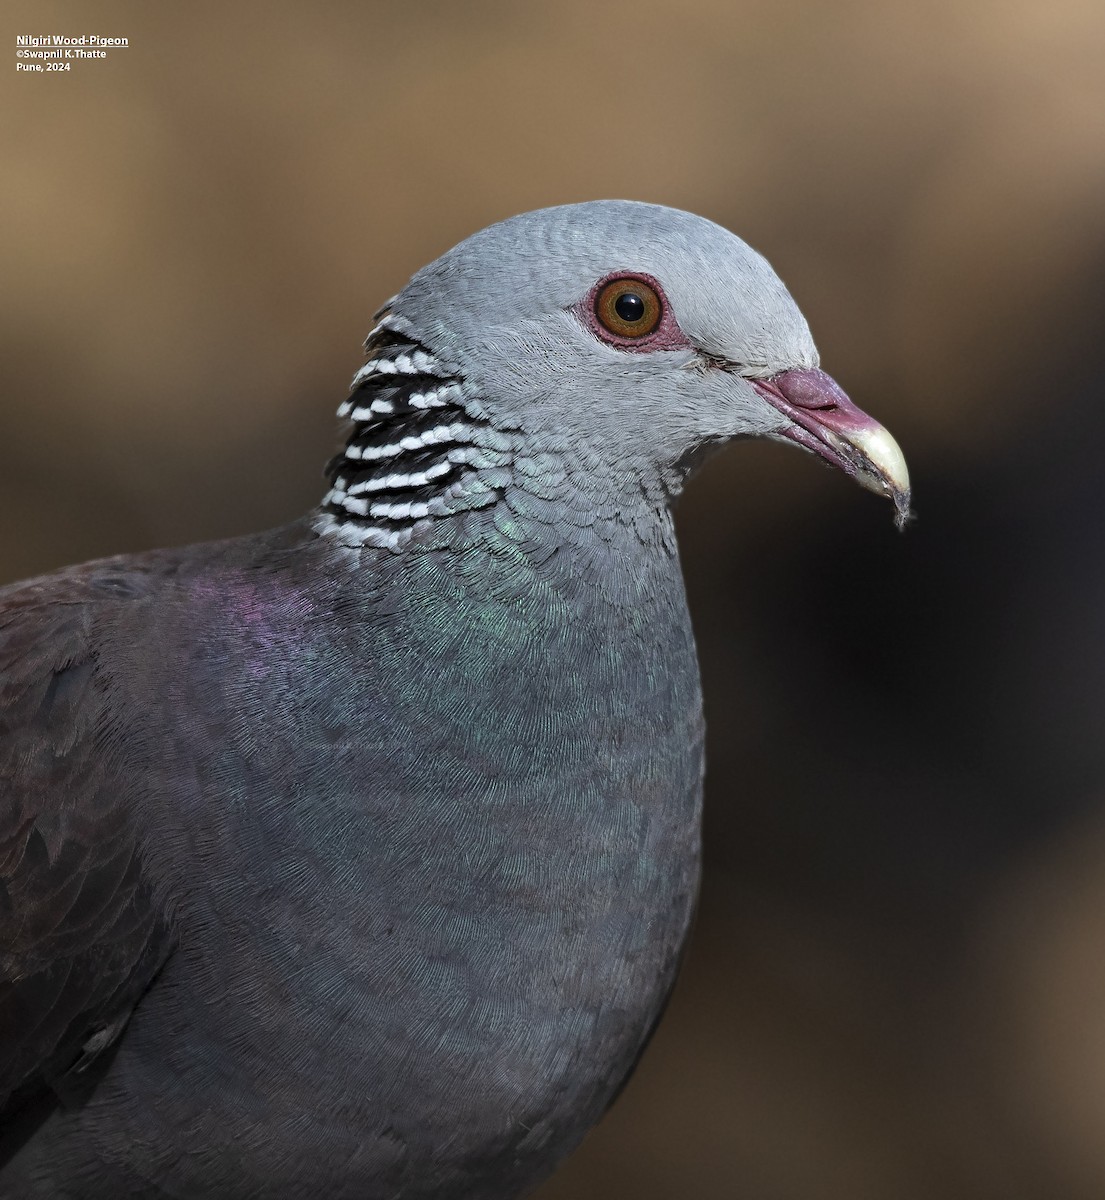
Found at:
(822, 419)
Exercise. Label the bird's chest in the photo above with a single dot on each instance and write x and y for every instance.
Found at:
(472, 880)
(521, 800)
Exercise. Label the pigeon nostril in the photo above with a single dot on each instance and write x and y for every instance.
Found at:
(810, 389)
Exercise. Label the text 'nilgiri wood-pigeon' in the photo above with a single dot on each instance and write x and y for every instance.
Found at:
(354, 859)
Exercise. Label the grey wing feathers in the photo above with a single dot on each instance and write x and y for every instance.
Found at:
(80, 939)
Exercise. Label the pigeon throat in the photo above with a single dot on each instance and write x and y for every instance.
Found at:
(416, 454)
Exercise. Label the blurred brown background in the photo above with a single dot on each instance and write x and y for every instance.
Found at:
(897, 984)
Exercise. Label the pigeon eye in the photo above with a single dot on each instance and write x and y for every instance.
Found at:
(629, 308)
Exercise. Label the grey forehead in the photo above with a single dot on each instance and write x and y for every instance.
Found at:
(726, 297)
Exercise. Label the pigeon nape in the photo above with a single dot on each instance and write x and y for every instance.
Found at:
(355, 858)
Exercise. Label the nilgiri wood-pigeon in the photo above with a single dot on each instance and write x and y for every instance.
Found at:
(354, 859)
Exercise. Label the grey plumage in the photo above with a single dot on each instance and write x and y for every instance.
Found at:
(355, 859)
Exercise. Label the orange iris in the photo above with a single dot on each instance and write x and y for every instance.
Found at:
(629, 308)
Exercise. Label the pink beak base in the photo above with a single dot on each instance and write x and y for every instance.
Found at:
(823, 420)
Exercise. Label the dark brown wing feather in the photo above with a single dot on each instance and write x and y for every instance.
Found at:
(80, 939)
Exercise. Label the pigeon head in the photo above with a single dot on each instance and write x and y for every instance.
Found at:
(609, 344)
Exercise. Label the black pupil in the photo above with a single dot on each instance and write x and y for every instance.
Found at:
(630, 307)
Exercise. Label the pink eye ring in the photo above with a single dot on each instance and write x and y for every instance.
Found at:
(628, 310)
